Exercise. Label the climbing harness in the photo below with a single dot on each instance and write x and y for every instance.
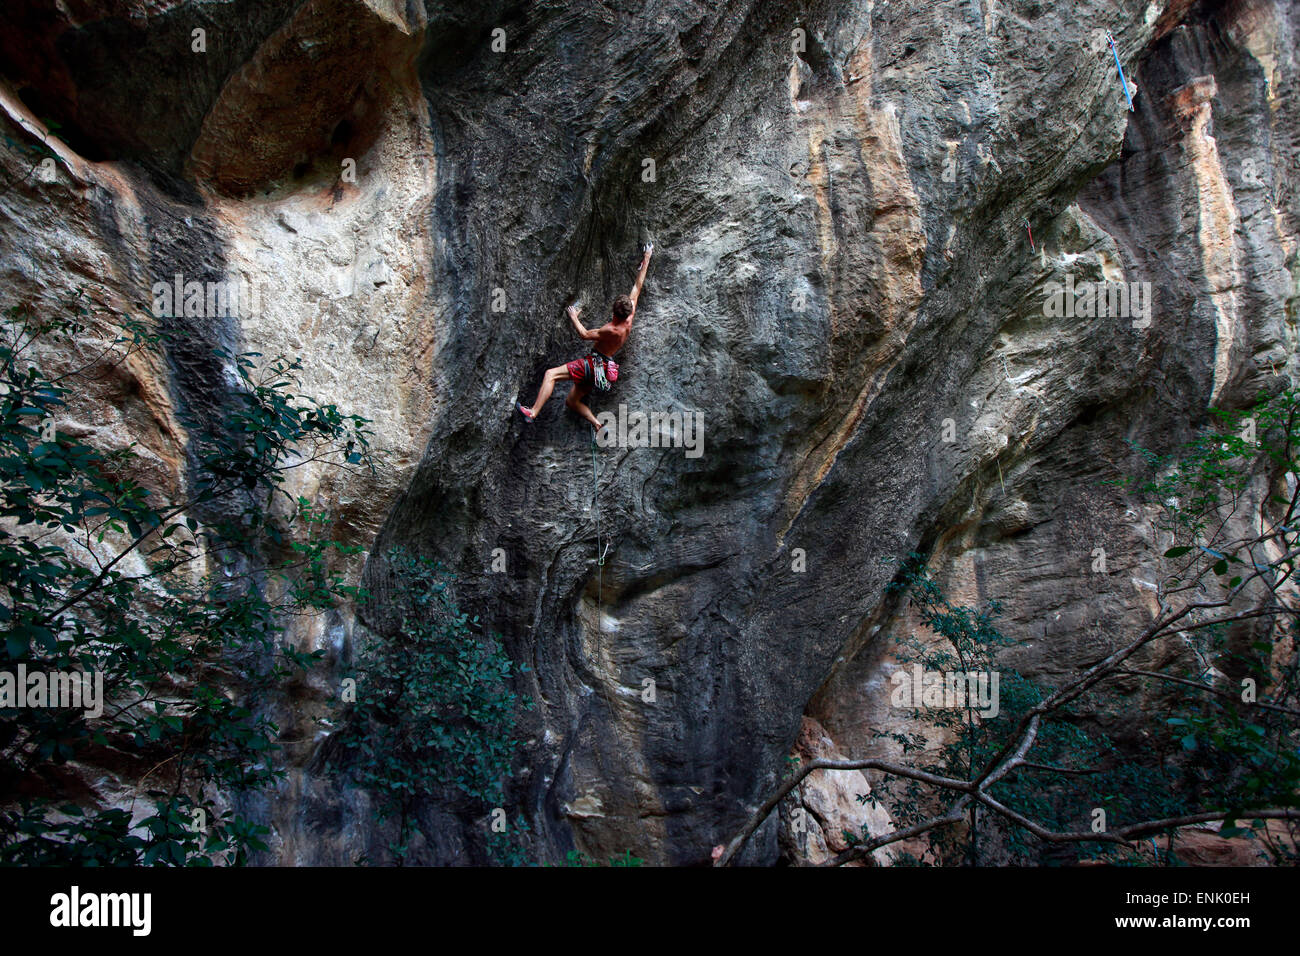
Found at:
(1119, 66)
(1031, 236)
(604, 371)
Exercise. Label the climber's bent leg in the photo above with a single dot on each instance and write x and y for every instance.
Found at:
(558, 374)
(574, 401)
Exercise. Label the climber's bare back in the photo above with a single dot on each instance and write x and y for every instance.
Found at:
(612, 336)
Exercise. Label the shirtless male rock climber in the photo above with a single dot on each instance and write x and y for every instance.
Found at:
(598, 368)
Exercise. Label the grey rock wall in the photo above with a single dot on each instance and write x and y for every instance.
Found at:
(842, 265)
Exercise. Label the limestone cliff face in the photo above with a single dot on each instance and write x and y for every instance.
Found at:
(844, 288)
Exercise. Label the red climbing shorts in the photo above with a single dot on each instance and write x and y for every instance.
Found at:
(580, 370)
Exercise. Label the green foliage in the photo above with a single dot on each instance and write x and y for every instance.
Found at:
(1211, 473)
(508, 847)
(1227, 696)
(434, 711)
(176, 602)
(576, 858)
(1229, 501)
(1074, 770)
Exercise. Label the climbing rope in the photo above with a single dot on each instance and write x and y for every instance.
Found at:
(1119, 66)
(600, 684)
(595, 504)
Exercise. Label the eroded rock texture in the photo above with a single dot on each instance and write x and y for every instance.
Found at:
(838, 192)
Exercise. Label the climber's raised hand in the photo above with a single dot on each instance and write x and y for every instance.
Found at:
(635, 294)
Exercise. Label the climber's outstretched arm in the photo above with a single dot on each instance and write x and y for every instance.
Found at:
(635, 294)
(572, 312)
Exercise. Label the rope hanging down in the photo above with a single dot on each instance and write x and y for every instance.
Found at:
(600, 555)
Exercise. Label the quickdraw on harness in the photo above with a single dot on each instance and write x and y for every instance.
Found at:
(604, 371)
(1119, 66)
